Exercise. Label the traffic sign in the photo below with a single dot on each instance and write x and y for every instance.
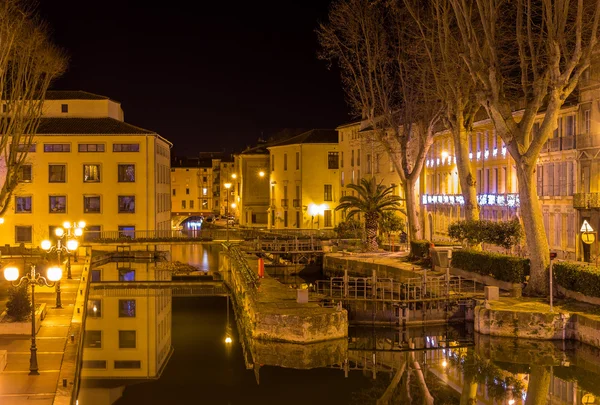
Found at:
(588, 238)
(586, 227)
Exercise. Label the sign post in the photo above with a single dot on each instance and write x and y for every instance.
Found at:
(552, 257)
(587, 237)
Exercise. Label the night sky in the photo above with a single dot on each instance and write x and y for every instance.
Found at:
(208, 76)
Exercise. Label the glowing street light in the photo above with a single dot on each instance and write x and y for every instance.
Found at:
(33, 278)
(261, 173)
(227, 187)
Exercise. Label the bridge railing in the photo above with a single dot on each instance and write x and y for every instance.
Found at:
(240, 265)
(162, 235)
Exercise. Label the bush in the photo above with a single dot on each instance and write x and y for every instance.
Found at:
(419, 249)
(574, 277)
(505, 233)
(18, 306)
(502, 267)
(349, 229)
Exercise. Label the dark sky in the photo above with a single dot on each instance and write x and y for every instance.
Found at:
(207, 75)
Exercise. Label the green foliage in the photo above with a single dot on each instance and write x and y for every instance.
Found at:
(574, 277)
(349, 229)
(371, 197)
(419, 249)
(18, 306)
(502, 267)
(505, 233)
(390, 221)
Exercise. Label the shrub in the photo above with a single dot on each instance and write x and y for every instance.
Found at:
(18, 306)
(349, 229)
(504, 233)
(419, 249)
(502, 267)
(574, 277)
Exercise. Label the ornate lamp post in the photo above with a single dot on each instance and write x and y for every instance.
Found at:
(227, 187)
(33, 278)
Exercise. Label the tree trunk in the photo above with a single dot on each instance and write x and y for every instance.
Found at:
(539, 385)
(468, 395)
(371, 226)
(466, 176)
(535, 234)
(412, 207)
(427, 398)
(389, 391)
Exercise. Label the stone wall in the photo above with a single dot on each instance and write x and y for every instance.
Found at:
(272, 313)
(537, 325)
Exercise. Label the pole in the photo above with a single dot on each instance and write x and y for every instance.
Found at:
(69, 266)
(227, 216)
(58, 300)
(33, 366)
(551, 294)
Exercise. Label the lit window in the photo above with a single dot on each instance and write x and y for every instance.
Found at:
(126, 173)
(126, 308)
(91, 173)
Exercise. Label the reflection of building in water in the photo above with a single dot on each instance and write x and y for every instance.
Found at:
(127, 330)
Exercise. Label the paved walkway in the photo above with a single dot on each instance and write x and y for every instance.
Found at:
(17, 387)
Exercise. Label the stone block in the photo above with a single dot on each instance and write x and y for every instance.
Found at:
(491, 293)
(3, 358)
(302, 296)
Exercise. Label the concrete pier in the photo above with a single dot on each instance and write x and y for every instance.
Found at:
(271, 312)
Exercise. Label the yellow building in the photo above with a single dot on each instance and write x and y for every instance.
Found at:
(305, 181)
(251, 186)
(87, 164)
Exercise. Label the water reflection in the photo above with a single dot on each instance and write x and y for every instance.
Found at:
(203, 256)
(129, 358)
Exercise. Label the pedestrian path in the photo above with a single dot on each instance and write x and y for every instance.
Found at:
(55, 348)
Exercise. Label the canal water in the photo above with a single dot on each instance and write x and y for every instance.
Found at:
(153, 348)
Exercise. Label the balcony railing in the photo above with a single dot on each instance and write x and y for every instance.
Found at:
(558, 144)
(296, 202)
(588, 141)
(284, 202)
(586, 200)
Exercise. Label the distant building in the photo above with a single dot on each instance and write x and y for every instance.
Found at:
(251, 186)
(305, 180)
(87, 164)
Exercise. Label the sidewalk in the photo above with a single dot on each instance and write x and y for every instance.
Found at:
(17, 387)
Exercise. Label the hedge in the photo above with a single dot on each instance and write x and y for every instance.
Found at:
(502, 267)
(419, 249)
(574, 277)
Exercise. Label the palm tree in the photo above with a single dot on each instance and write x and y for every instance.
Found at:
(372, 200)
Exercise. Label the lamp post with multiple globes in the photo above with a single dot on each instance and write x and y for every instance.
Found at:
(227, 187)
(33, 278)
(70, 232)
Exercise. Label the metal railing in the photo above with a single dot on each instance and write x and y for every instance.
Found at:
(284, 202)
(587, 141)
(296, 203)
(586, 200)
(241, 266)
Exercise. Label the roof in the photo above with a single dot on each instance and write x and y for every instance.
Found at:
(312, 136)
(73, 95)
(88, 126)
(347, 125)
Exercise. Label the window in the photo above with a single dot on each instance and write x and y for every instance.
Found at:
(368, 170)
(23, 147)
(587, 119)
(327, 218)
(58, 204)
(126, 308)
(377, 160)
(97, 364)
(23, 234)
(272, 163)
(128, 364)
(126, 339)
(23, 205)
(57, 147)
(174, 192)
(187, 191)
(285, 161)
(205, 204)
(183, 204)
(342, 160)
(126, 173)
(91, 205)
(127, 231)
(126, 204)
(90, 147)
(64, 108)
(126, 274)
(204, 179)
(25, 174)
(352, 158)
(333, 160)
(92, 339)
(191, 204)
(204, 191)
(357, 157)
(57, 173)
(297, 219)
(91, 233)
(285, 219)
(94, 308)
(297, 160)
(126, 147)
(96, 276)
(91, 173)
(328, 194)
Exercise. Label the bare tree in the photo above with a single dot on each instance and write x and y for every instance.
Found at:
(453, 86)
(28, 64)
(527, 54)
(385, 86)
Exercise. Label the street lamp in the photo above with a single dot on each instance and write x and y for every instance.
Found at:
(71, 232)
(315, 210)
(32, 277)
(227, 187)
